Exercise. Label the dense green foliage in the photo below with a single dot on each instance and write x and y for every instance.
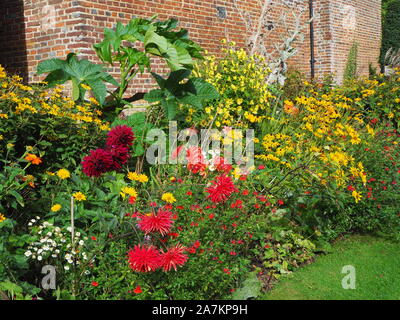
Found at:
(350, 71)
(390, 27)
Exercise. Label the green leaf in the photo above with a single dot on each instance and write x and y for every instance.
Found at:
(155, 43)
(154, 95)
(75, 89)
(50, 65)
(204, 91)
(99, 89)
(170, 107)
(251, 288)
(18, 197)
(56, 77)
(10, 287)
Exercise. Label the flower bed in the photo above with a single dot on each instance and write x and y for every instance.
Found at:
(78, 194)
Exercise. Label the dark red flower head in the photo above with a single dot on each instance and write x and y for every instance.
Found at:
(144, 259)
(120, 155)
(221, 189)
(120, 136)
(97, 162)
(173, 257)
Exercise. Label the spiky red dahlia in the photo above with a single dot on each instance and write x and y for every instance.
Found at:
(221, 189)
(97, 162)
(144, 259)
(173, 258)
(160, 222)
(120, 136)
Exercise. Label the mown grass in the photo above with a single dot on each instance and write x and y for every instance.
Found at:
(377, 265)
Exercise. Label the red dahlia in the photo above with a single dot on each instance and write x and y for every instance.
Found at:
(144, 259)
(173, 257)
(120, 136)
(221, 189)
(97, 162)
(160, 222)
(119, 156)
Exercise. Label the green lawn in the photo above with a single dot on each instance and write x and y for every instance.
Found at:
(377, 265)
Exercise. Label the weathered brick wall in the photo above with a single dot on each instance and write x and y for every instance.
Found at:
(207, 21)
(12, 37)
(33, 30)
(355, 21)
(339, 24)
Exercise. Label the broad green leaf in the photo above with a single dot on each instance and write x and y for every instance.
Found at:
(251, 288)
(75, 89)
(154, 95)
(50, 65)
(99, 89)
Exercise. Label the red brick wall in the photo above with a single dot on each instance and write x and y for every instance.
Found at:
(12, 37)
(357, 21)
(339, 24)
(51, 28)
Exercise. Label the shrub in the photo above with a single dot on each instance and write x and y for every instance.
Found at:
(41, 132)
(376, 99)
(240, 80)
(390, 26)
(350, 71)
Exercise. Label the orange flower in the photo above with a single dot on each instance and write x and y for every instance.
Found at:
(291, 109)
(33, 159)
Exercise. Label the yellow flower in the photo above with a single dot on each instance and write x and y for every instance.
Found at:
(370, 130)
(357, 196)
(133, 176)
(94, 101)
(168, 197)
(63, 174)
(143, 178)
(2, 217)
(128, 191)
(84, 86)
(56, 207)
(79, 196)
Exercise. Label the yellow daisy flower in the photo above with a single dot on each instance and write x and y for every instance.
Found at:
(56, 207)
(168, 197)
(79, 196)
(63, 174)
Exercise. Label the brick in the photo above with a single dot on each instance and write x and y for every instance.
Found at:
(78, 24)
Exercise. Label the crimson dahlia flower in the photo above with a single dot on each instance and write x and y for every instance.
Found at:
(120, 136)
(160, 222)
(97, 162)
(120, 155)
(221, 189)
(144, 259)
(173, 257)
